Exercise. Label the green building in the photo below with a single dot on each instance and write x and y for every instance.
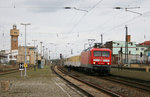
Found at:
(116, 46)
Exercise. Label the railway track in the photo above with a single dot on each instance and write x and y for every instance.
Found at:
(123, 89)
(107, 92)
(130, 83)
(9, 71)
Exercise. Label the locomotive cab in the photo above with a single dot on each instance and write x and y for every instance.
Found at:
(101, 60)
(100, 57)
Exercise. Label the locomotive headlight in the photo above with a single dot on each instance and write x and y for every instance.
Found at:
(93, 62)
(97, 60)
(106, 60)
(108, 63)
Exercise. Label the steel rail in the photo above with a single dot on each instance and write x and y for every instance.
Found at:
(129, 83)
(107, 91)
(9, 71)
(77, 87)
(132, 79)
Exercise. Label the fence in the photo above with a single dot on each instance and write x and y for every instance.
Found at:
(132, 59)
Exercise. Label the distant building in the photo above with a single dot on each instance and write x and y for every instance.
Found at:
(116, 46)
(147, 52)
(29, 54)
(140, 49)
(143, 48)
(3, 57)
(9, 56)
(118, 51)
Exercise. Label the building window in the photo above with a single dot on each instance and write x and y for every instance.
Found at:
(137, 49)
(142, 49)
(10, 56)
(117, 43)
(129, 52)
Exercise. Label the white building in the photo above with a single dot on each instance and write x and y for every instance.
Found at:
(9, 55)
(140, 49)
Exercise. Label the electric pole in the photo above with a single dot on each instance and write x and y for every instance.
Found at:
(41, 48)
(25, 74)
(126, 45)
(102, 39)
(49, 54)
(34, 55)
(43, 51)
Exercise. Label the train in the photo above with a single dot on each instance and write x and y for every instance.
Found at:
(92, 60)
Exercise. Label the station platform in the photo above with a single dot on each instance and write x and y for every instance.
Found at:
(39, 83)
(141, 75)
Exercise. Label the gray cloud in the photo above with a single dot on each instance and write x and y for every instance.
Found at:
(47, 18)
(46, 5)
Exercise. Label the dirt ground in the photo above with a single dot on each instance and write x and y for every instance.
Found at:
(39, 83)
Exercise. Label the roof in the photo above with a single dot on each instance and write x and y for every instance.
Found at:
(27, 47)
(145, 43)
(119, 41)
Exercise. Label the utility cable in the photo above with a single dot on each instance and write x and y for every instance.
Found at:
(128, 21)
(84, 16)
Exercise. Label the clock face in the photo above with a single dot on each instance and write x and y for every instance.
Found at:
(14, 39)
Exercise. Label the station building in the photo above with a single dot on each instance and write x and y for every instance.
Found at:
(31, 55)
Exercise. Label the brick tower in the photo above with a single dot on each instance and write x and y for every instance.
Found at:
(14, 33)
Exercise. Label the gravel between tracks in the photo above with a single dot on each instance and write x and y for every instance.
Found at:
(116, 87)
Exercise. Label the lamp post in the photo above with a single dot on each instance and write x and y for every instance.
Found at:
(54, 51)
(102, 39)
(41, 48)
(49, 57)
(43, 52)
(34, 55)
(126, 45)
(25, 45)
(75, 8)
(126, 9)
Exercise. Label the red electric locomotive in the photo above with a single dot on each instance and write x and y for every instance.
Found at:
(96, 60)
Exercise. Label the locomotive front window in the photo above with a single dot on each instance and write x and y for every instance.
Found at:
(101, 53)
(105, 54)
(97, 53)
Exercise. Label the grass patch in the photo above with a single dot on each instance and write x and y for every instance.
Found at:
(44, 72)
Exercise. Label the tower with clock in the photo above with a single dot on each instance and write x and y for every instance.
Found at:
(14, 33)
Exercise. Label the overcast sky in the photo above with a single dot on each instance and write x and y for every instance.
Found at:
(51, 23)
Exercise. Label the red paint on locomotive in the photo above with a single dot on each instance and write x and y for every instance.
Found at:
(96, 56)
